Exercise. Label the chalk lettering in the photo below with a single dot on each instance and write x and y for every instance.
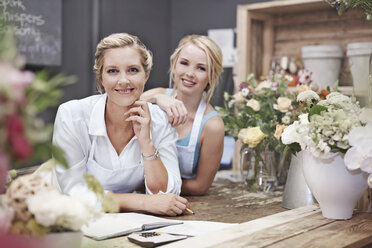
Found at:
(12, 3)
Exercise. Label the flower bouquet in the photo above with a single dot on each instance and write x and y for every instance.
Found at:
(257, 114)
(31, 206)
(334, 133)
(25, 138)
(33, 210)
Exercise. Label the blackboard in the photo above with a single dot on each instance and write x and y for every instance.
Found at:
(37, 28)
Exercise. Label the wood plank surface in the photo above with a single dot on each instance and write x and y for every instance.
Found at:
(224, 237)
(225, 202)
(356, 232)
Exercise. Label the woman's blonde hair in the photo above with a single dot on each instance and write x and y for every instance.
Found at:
(115, 41)
(214, 58)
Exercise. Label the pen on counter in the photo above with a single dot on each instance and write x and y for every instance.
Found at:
(190, 211)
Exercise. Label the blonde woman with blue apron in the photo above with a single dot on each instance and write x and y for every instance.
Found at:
(127, 144)
(195, 68)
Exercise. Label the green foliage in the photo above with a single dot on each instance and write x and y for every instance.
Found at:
(344, 5)
(316, 110)
(31, 228)
(107, 200)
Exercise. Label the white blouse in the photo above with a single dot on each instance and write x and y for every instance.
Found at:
(80, 130)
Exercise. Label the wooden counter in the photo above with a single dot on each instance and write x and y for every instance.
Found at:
(264, 223)
(225, 202)
(301, 227)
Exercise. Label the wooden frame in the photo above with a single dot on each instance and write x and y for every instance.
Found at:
(280, 28)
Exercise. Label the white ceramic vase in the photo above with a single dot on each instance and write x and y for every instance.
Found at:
(336, 189)
(324, 61)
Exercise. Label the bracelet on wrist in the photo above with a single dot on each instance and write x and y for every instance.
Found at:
(151, 157)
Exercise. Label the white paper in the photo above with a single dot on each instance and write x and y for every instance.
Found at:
(118, 224)
(195, 227)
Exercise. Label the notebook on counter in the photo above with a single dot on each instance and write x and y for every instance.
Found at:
(121, 224)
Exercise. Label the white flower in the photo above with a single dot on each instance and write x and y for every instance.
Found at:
(284, 104)
(307, 96)
(255, 105)
(245, 92)
(286, 119)
(359, 156)
(52, 208)
(299, 132)
(82, 193)
(366, 115)
(231, 103)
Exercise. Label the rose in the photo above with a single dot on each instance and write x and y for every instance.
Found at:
(238, 97)
(262, 85)
(279, 130)
(284, 104)
(255, 105)
(20, 146)
(17, 79)
(251, 136)
(302, 88)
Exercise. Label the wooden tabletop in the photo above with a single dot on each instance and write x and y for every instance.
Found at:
(264, 223)
(225, 202)
(301, 227)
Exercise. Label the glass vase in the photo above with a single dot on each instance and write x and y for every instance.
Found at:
(266, 178)
(258, 170)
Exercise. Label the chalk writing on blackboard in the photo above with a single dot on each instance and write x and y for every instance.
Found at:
(36, 25)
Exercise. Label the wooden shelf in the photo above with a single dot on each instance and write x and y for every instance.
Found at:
(281, 28)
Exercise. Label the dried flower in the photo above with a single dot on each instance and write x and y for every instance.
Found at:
(279, 131)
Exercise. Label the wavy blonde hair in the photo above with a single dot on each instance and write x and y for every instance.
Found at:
(115, 41)
(214, 58)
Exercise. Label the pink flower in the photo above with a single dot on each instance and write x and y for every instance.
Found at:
(19, 145)
(305, 77)
(17, 79)
(6, 218)
(4, 167)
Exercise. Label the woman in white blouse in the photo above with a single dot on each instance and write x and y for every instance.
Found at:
(127, 144)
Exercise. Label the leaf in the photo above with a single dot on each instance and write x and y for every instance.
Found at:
(93, 184)
(316, 110)
(59, 155)
(109, 204)
(294, 148)
(48, 165)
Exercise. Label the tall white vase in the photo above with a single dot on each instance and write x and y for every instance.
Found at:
(336, 189)
(296, 192)
(359, 54)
